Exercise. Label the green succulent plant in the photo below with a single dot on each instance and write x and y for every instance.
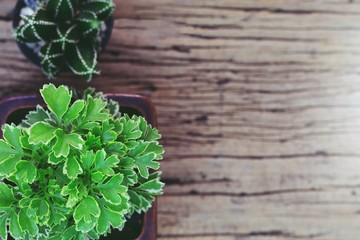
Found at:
(69, 30)
(76, 169)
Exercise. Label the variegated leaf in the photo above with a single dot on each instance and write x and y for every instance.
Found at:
(38, 27)
(81, 59)
(52, 58)
(89, 24)
(63, 10)
(102, 8)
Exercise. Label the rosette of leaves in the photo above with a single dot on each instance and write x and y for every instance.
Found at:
(69, 30)
(74, 171)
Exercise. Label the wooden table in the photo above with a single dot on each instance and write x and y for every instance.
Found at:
(259, 107)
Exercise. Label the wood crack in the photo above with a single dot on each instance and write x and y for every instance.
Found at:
(176, 157)
(271, 233)
(249, 38)
(246, 194)
(275, 10)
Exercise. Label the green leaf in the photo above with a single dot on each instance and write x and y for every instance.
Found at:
(72, 234)
(145, 162)
(64, 141)
(71, 190)
(90, 125)
(58, 215)
(152, 134)
(54, 160)
(9, 157)
(142, 125)
(130, 177)
(41, 132)
(156, 148)
(12, 135)
(118, 123)
(74, 110)
(57, 99)
(97, 176)
(15, 229)
(144, 155)
(138, 202)
(75, 191)
(93, 234)
(40, 209)
(112, 190)
(87, 159)
(152, 185)
(117, 148)
(24, 202)
(107, 132)
(81, 236)
(114, 108)
(92, 141)
(103, 165)
(95, 110)
(127, 162)
(12, 146)
(25, 171)
(54, 237)
(86, 214)
(6, 196)
(131, 144)
(131, 129)
(25, 188)
(38, 115)
(3, 228)
(69, 233)
(139, 150)
(72, 167)
(111, 216)
(28, 224)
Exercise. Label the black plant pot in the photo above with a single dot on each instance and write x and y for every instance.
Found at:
(28, 52)
(139, 226)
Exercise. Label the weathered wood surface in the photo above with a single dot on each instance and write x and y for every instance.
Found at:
(259, 107)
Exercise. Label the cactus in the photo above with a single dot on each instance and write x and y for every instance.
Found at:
(69, 30)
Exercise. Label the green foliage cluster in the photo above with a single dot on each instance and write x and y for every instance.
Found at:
(76, 169)
(70, 30)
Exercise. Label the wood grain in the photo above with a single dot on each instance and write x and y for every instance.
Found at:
(258, 105)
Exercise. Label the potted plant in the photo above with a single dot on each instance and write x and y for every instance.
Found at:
(76, 168)
(63, 35)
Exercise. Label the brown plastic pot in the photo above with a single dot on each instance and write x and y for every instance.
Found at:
(139, 226)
